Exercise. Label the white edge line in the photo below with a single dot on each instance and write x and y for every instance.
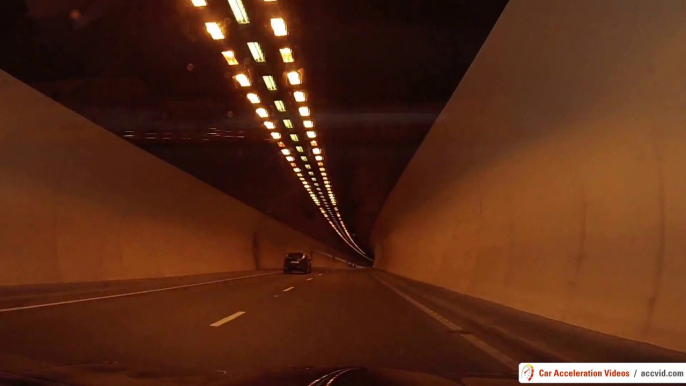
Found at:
(337, 375)
(323, 377)
(227, 319)
(288, 289)
(485, 347)
(128, 293)
(310, 279)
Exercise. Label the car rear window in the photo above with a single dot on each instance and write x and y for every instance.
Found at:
(294, 256)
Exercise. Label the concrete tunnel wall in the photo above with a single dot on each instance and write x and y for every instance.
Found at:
(79, 204)
(554, 180)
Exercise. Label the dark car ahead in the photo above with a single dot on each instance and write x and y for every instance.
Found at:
(297, 262)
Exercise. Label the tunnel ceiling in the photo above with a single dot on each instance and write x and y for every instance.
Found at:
(377, 74)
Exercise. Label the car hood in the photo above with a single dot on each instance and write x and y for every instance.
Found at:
(112, 374)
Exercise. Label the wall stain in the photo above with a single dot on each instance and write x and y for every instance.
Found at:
(659, 265)
(580, 254)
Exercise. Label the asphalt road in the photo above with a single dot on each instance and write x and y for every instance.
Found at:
(327, 319)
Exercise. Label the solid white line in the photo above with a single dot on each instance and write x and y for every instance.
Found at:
(337, 375)
(128, 293)
(288, 289)
(490, 350)
(310, 279)
(227, 319)
(317, 381)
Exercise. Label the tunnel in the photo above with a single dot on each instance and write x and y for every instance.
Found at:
(256, 192)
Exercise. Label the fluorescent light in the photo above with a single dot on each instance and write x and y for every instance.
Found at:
(286, 152)
(281, 144)
(317, 150)
(253, 98)
(280, 106)
(311, 173)
(269, 125)
(288, 123)
(230, 57)
(215, 31)
(300, 149)
(302, 157)
(297, 170)
(311, 134)
(269, 81)
(313, 143)
(294, 77)
(307, 166)
(239, 11)
(286, 55)
(290, 159)
(275, 135)
(279, 27)
(294, 138)
(256, 51)
(320, 163)
(199, 3)
(262, 112)
(309, 124)
(242, 79)
(300, 96)
(304, 111)
(318, 157)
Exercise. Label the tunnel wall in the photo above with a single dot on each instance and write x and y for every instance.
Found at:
(554, 179)
(79, 204)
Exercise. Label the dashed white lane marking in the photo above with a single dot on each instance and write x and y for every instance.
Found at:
(128, 293)
(310, 279)
(490, 350)
(288, 289)
(227, 319)
(319, 274)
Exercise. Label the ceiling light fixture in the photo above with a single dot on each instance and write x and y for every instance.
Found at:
(214, 30)
(230, 57)
(279, 26)
(300, 96)
(269, 82)
(262, 112)
(253, 98)
(256, 52)
(242, 79)
(239, 11)
(293, 77)
(286, 55)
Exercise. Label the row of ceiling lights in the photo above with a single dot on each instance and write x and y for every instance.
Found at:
(327, 203)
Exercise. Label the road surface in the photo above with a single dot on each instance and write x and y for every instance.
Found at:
(326, 319)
